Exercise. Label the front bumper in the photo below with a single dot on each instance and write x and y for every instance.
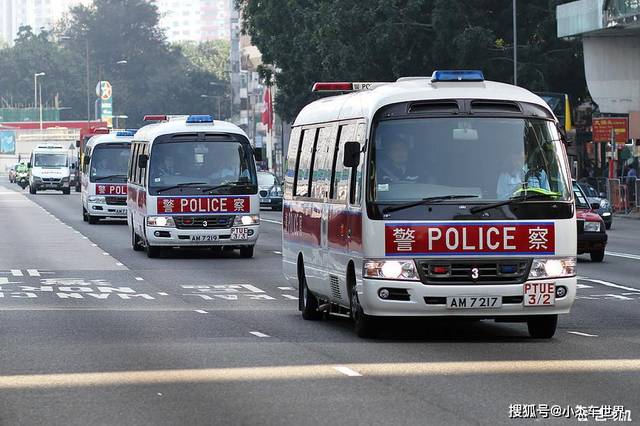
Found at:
(174, 237)
(273, 202)
(418, 306)
(591, 241)
(106, 210)
(42, 185)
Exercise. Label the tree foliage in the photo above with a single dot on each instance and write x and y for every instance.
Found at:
(381, 40)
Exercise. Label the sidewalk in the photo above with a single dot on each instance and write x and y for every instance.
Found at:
(633, 215)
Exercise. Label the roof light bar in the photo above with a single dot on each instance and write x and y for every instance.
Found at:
(101, 131)
(126, 133)
(463, 75)
(156, 117)
(200, 119)
(345, 86)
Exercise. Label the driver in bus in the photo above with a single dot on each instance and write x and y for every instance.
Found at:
(393, 164)
(519, 173)
(167, 166)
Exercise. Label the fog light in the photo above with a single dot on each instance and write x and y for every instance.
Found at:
(561, 291)
(383, 293)
(157, 233)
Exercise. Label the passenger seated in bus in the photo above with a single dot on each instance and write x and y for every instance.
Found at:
(393, 163)
(167, 167)
(518, 172)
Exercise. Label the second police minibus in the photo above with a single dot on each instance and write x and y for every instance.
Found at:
(103, 175)
(446, 195)
(192, 183)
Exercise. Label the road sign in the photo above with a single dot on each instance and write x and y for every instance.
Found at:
(602, 127)
(104, 91)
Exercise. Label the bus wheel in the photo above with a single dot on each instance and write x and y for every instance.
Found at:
(542, 326)
(309, 303)
(32, 190)
(85, 215)
(92, 219)
(66, 191)
(366, 326)
(246, 252)
(135, 241)
(153, 252)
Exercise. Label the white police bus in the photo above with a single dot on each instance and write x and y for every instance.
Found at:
(192, 183)
(446, 195)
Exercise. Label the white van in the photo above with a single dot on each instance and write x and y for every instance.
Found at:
(104, 176)
(192, 183)
(50, 168)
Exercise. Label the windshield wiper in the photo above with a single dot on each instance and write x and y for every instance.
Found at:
(180, 185)
(527, 195)
(427, 200)
(109, 177)
(225, 185)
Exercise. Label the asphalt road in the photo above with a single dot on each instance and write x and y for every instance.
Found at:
(94, 333)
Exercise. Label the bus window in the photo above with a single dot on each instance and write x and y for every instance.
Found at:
(292, 159)
(340, 181)
(304, 164)
(321, 172)
(356, 174)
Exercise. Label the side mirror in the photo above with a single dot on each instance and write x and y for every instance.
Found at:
(563, 135)
(351, 154)
(257, 154)
(29, 165)
(142, 161)
(77, 144)
(595, 206)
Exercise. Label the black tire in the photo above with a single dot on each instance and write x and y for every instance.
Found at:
(85, 215)
(92, 219)
(365, 326)
(32, 190)
(542, 326)
(246, 252)
(607, 226)
(153, 251)
(78, 187)
(308, 302)
(66, 191)
(136, 243)
(597, 256)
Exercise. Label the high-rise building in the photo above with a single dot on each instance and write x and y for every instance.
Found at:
(194, 20)
(38, 14)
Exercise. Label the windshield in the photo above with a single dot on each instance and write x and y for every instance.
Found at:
(50, 160)
(589, 190)
(266, 180)
(581, 201)
(487, 159)
(109, 163)
(205, 164)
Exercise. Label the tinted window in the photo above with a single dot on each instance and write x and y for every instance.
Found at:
(50, 160)
(266, 180)
(341, 175)
(109, 162)
(304, 163)
(323, 162)
(292, 161)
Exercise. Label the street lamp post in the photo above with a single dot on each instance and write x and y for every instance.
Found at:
(87, 77)
(36, 93)
(515, 46)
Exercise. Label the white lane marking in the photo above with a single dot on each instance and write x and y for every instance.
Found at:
(201, 311)
(631, 294)
(577, 333)
(290, 297)
(271, 221)
(33, 272)
(286, 288)
(277, 252)
(609, 284)
(94, 245)
(16, 273)
(583, 286)
(139, 279)
(347, 371)
(118, 264)
(614, 296)
(625, 255)
(105, 253)
(162, 293)
(258, 334)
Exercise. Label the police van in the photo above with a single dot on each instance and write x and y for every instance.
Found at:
(436, 196)
(192, 183)
(50, 169)
(103, 176)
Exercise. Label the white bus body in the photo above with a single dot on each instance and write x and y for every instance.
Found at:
(357, 240)
(192, 184)
(103, 176)
(50, 168)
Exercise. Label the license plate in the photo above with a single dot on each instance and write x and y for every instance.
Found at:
(204, 238)
(239, 233)
(121, 211)
(474, 302)
(266, 200)
(539, 294)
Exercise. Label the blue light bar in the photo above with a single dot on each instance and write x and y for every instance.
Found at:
(200, 119)
(126, 133)
(467, 75)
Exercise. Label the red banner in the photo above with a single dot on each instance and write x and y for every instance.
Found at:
(602, 127)
(473, 238)
(108, 189)
(176, 205)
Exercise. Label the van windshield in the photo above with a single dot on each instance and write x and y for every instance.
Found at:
(486, 159)
(50, 160)
(185, 167)
(109, 163)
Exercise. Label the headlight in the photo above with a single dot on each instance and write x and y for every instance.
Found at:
(553, 268)
(161, 221)
(592, 227)
(604, 204)
(246, 220)
(65, 179)
(96, 199)
(391, 270)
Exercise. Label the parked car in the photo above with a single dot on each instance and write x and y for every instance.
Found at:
(270, 190)
(12, 174)
(599, 203)
(592, 237)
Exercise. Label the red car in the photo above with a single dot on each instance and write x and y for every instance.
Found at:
(592, 237)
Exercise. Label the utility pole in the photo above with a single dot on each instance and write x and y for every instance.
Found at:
(515, 46)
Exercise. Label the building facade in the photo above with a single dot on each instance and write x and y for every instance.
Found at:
(194, 20)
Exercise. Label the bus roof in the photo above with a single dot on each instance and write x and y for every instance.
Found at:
(367, 102)
(108, 138)
(150, 132)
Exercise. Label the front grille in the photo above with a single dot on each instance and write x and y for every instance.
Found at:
(203, 222)
(507, 271)
(264, 193)
(116, 201)
(51, 180)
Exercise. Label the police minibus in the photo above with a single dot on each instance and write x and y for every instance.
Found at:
(103, 176)
(192, 183)
(446, 195)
